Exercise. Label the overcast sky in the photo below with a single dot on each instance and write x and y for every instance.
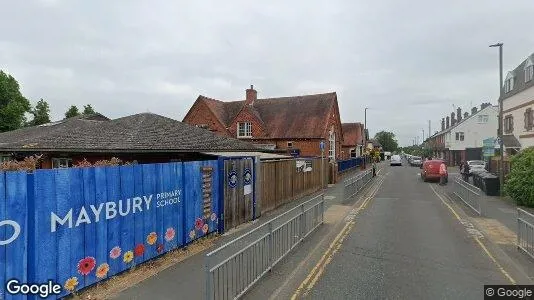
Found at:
(408, 61)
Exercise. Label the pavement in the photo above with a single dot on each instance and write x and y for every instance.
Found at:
(402, 239)
(186, 280)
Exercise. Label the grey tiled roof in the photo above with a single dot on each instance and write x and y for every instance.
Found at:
(140, 132)
(519, 79)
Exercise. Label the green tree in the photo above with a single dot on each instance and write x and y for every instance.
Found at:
(72, 112)
(519, 182)
(41, 113)
(88, 110)
(387, 140)
(13, 105)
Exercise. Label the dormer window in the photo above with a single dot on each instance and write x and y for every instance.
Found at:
(509, 82)
(244, 130)
(529, 70)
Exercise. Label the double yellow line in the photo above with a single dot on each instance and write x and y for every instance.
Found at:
(310, 280)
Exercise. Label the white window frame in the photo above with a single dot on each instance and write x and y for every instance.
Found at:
(332, 145)
(4, 158)
(483, 119)
(459, 136)
(529, 70)
(61, 162)
(509, 83)
(244, 130)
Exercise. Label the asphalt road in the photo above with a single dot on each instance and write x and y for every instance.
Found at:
(404, 243)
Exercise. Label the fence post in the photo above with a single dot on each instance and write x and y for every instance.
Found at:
(302, 222)
(322, 209)
(518, 229)
(271, 260)
(209, 293)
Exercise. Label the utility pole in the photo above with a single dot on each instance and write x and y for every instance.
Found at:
(500, 131)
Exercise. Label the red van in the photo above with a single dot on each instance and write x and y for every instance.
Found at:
(430, 170)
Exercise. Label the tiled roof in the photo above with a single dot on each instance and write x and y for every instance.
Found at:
(286, 117)
(140, 132)
(519, 79)
(352, 134)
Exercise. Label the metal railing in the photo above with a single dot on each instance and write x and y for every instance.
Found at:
(469, 194)
(525, 231)
(354, 184)
(233, 268)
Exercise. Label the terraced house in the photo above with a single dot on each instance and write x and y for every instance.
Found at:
(518, 106)
(295, 124)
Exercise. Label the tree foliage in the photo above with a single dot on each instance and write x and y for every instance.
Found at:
(519, 182)
(387, 140)
(41, 113)
(13, 105)
(88, 110)
(72, 112)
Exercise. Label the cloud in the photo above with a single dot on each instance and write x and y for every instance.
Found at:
(407, 62)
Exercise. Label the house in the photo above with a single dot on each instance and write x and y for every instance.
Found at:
(518, 107)
(142, 138)
(373, 144)
(295, 124)
(461, 136)
(352, 146)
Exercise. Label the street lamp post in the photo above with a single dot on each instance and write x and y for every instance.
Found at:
(500, 130)
(365, 135)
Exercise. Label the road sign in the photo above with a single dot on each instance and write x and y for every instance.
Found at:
(488, 147)
(498, 142)
(321, 145)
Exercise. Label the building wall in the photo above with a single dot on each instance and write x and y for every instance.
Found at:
(308, 147)
(510, 107)
(246, 116)
(201, 114)
(474, 132)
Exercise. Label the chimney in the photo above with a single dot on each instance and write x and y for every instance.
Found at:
(453, 121)
(252, 95)
(484, 105)
(442, 124)
(447, 122)
(459, 114)
(466, 115)
(474, 110)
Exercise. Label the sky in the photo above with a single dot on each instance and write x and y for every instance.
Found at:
(407, 61)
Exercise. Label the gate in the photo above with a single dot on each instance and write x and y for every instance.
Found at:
(239, 191)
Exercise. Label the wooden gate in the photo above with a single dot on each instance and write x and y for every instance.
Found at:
(238, 191)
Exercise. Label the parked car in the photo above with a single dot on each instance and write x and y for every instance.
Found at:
(416, 161)
(395, 161)
(430, 170)
(476, 166)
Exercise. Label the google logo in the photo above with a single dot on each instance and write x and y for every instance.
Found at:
(16, 231)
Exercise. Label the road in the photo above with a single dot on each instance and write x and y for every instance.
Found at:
(405, 242)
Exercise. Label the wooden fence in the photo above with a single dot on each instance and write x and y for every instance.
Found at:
(283, 181)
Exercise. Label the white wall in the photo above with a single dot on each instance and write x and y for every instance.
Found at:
(474, 132)
(519, 115)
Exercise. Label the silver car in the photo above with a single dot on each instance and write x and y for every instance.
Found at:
(395, 161)
(476, 165)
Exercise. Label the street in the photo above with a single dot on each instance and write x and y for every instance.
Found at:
(403, 242)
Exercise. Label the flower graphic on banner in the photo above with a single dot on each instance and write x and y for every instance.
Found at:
(71, 284)
(115, 252)
(169, 234)
(102, 270)
(151, 238)
(199, 223)
(139, 250)
(86, 265)
(128, 257)
(192, 234)
(205, 228)
(160, 248)
(213, 217)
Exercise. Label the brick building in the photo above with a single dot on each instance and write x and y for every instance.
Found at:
(295, 124)
(352, 140)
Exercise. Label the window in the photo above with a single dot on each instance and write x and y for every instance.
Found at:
(203, 126)
(244, 129)
(529, 73)
(61, 163)
(289, 144)
(4, 158)
(483, 119)
(459, 136)
(509, 83)
(529, 119)
(352, 152)
(332, 145)
(508, 124)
